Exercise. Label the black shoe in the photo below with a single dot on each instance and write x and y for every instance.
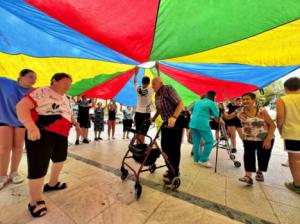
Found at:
(96, 139)
(77, 142)
(85, 141)
(233, 150)
(100, 138)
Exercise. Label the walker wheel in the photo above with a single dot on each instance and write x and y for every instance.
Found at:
(232, 157)
(138, 190)
(152, 168)
(237, 164)
(124, 173)
(175, 183)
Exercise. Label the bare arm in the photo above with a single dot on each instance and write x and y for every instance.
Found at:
(105, 104)
(23, 109)
(173, 118)
(155, 116)
(178, 109)
(272, 127)
(78, 98)
(157, 68)
(135, 75)
(280, 114)
(229, 116)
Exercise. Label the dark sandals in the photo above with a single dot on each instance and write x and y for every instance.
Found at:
(56, 187)
(39, 213)
(246, 179)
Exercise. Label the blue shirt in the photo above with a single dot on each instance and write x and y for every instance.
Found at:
(202, 110)
(10, 94)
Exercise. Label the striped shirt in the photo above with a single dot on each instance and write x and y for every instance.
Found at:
(166, 101)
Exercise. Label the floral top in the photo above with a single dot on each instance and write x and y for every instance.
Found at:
(254, 128)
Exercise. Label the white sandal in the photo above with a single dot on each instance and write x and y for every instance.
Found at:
(16, 178)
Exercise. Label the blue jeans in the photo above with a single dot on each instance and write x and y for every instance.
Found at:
(208, 138)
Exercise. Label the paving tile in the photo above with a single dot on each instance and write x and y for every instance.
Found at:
(286, 214)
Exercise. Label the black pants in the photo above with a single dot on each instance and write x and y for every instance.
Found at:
(50, 146)
(263, 155)
(171, 144)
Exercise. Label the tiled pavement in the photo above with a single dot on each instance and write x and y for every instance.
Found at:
(95, 193)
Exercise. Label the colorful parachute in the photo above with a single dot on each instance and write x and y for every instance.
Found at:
(230, 46)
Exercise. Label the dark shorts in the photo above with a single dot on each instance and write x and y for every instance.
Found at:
(141, 123)
(214, 125)
(292, 146)
(127, 124)
(235, 122)
(84, 123)
(2, 124)
(49, 146)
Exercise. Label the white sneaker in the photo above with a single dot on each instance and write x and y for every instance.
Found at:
(16, 178)
(206, 164)
(286, 163)
(3, 181)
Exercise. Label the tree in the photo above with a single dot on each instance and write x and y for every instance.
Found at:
(270, 94)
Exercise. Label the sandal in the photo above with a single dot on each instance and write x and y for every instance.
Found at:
(291, 186)
(247, 180)
(39, 213)
(259, 176)
(56, 187)
(16, 178)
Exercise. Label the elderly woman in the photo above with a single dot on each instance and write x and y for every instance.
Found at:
(288, 122)
(258, 132)
(47, 116)
(12, 132)
(99, 120)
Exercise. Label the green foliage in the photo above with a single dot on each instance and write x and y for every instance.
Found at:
(271, 94)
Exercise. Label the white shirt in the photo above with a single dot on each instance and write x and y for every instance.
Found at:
(144, 96)
(48, 102)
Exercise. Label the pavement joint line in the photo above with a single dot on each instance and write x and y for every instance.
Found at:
(203, 203)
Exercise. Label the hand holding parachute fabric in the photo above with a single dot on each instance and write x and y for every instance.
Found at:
(231, 46)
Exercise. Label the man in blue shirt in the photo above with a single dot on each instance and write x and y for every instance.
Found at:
(202, 110)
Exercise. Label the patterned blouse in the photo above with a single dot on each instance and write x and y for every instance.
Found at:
(254, 128)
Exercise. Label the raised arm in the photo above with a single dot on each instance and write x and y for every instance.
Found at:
(157, 68)
(78, 98)
(135, 76)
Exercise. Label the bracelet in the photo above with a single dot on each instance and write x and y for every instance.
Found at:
(174, 116)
